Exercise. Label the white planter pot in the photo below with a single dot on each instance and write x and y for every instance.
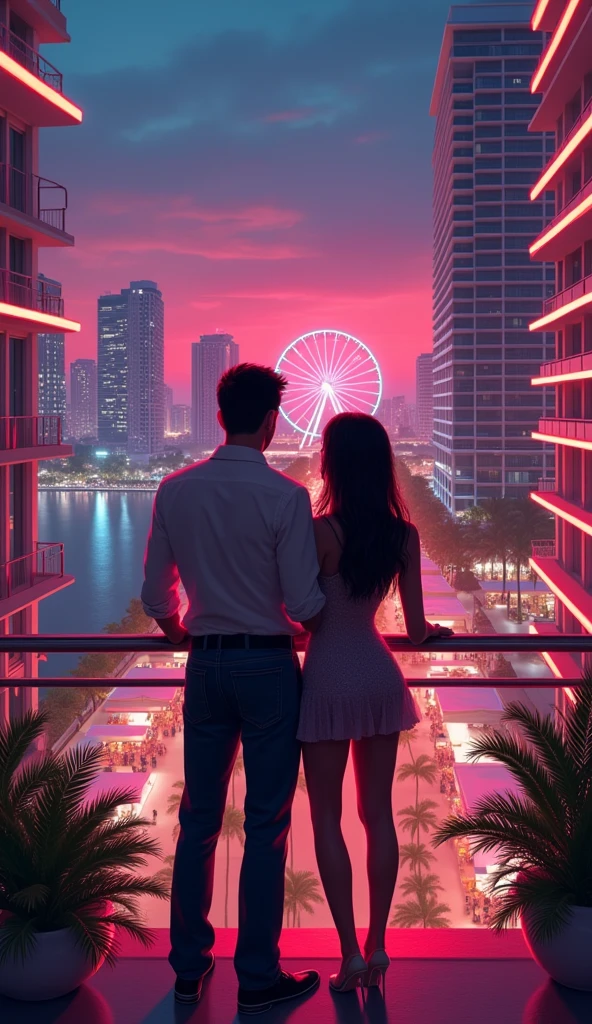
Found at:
(567, 958)
(56, 966)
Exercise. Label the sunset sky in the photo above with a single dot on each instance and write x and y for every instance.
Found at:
(267, 163)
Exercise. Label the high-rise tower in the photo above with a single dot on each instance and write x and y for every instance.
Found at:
(210, 357)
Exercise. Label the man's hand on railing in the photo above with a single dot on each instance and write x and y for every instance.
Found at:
(173, 630)
(436, 630)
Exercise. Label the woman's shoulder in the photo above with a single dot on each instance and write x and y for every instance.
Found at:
(329, 527)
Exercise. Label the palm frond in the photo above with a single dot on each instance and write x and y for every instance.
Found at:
(16, 739)
(546, 739)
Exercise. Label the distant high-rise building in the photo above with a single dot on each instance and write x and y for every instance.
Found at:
(83, 398)
(180, 419)
(424, 396)
(168, 405)
(485, 290)
(210, 357)
(112, 370)
(51, 369)
(145, 380)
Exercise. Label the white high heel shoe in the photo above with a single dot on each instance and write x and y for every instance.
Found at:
(377, 966)
(350, 975)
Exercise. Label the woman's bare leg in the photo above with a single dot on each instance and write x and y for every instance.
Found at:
(324, 766)
(374, 764)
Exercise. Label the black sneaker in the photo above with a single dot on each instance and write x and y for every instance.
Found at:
(190, 991)
(288, 986)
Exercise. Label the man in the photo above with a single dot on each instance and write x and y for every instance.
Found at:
(239, 537)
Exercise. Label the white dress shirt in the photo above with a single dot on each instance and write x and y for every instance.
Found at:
(239, 537)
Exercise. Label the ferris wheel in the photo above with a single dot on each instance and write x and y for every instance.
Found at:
(328, 372)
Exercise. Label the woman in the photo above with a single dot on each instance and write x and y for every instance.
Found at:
(354, 692)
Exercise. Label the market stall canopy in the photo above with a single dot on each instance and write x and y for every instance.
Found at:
(155, 672)
(132, 698)
(478, 706)
(106, 782)
(445, 609)
(526, 587)
(433, 585)
(478, 780)
(428, 567)
(114, 733)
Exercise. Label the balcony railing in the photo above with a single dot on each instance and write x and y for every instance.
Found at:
(575, 291)
(571, 429)
(545, 484)
(38, 197)
(23, 54)
(47, 561)
(21, 290)
(582, 116)
(29, 432)
(543, 549)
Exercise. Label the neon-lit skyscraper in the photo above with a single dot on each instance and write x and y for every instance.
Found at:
(211, 356)
(424, 396)
(112, 369)
(83, 398)
(33, 217)
(564, 79)
(485, 289)
(145, 379)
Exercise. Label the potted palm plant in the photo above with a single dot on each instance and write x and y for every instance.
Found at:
(542, 834)
(67, 880)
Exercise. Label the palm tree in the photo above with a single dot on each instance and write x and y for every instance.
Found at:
(526, 523)
(416, 855)
(497, 511)
(423, 912)
(421, 885)
(541, 833)
(174, 799)
(423, 767)
(302, 891)
(165, 874)
(232, 828)
(418, 817)
(237, 769)
(66, 861)
(406, 736)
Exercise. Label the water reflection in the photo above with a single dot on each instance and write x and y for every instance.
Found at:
(555, 1004)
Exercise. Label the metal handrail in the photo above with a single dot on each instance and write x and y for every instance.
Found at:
(23, 572)
(145, 643)
(31, 59)
(29, 432)
(575, 291)
(24, 192)
(23, 290)
(561, 426)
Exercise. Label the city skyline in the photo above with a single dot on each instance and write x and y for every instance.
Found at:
(211, 356)
(313, 207)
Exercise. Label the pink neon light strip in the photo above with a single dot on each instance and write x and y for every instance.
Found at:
(559, 378)
(557, 511)
(41, 88)
(43, 319)
(537, 16)
(569, 218)
(554, 44)
(569, 442)
(569, 307)
(569, 604)
(562, 157)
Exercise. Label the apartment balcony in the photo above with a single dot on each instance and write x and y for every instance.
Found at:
(559, 506)
(567, 60)
(31, 305)
(28, 438)
(570, 432)
(33, 206)
(566, 587)
(565, 307)
(32, 577)
(32, 85)
(543, 548)
(577, 136)
(569, 229)
(45, 17)
(546, 14)
(546, 484)
(445, 975)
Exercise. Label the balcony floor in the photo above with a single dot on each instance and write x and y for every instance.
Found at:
(492, 991)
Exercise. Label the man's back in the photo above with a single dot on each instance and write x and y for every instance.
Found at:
(240, 535)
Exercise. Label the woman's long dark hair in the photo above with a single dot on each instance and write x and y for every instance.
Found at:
(360, 490)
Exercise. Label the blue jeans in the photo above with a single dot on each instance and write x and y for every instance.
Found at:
(228, 695)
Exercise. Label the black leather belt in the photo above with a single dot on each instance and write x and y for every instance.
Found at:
(240, 642)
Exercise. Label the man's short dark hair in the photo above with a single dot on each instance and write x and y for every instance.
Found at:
(246, 393)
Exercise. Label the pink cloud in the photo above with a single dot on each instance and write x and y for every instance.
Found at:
(369, 137)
